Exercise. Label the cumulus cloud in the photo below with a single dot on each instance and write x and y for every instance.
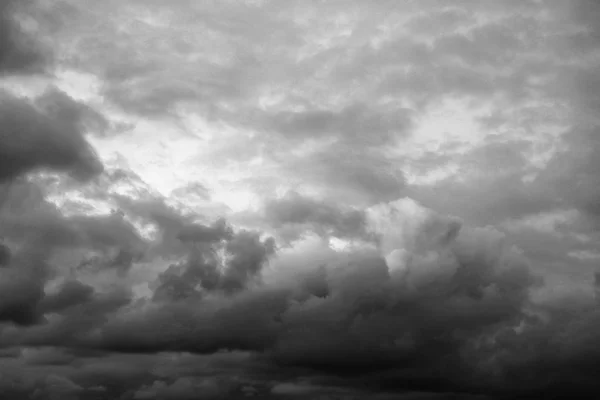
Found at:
(230, 264)
(454, 287)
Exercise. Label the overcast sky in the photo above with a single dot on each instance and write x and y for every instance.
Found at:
(299, 199)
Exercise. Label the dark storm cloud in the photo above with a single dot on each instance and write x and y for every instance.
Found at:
(246, 322)
(244, 255)
(22, 282)
(27, 217)
(177, 231)
(36, 233)
(33, 138)
(75, 324)
(369, 320)
(369, 323)
(20, 53)
(77, 309)
(450, 317)
(247, 256)
(71, 293)
(20, 297)
(322, 217)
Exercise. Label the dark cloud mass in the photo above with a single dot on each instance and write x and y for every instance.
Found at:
(309, 200)
(33, 139)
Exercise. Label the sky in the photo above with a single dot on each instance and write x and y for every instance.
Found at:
(285, 199)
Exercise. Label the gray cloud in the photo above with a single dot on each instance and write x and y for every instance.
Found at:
(20, 53)
(356, 124)
(442, 308)
(22, 290)
(229, 266)
(61, 106)
(206, 234)
(366, 177)
(5, 255)
(34, 139)
(451, 311)
(28, 218)
(322, 217)
(70, 294)
(369, 318)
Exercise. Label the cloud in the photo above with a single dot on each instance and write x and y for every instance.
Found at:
(322, 217)
(72, 326)
(5, 255)
(71, 293)
(34, 139)
(339, 171)
(47, 356)
(454, 286)
(102, 242)
(23, 288)
(61, 106)
(230, 264)
(357, 124)
(58, 387)
(418, 316)
(181, 389)
(20, 53)
(245, 322)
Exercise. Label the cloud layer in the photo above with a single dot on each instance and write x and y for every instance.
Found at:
(299, 200)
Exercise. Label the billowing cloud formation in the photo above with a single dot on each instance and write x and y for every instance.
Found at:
(434, 297)
(229, 267)
(452, 289)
